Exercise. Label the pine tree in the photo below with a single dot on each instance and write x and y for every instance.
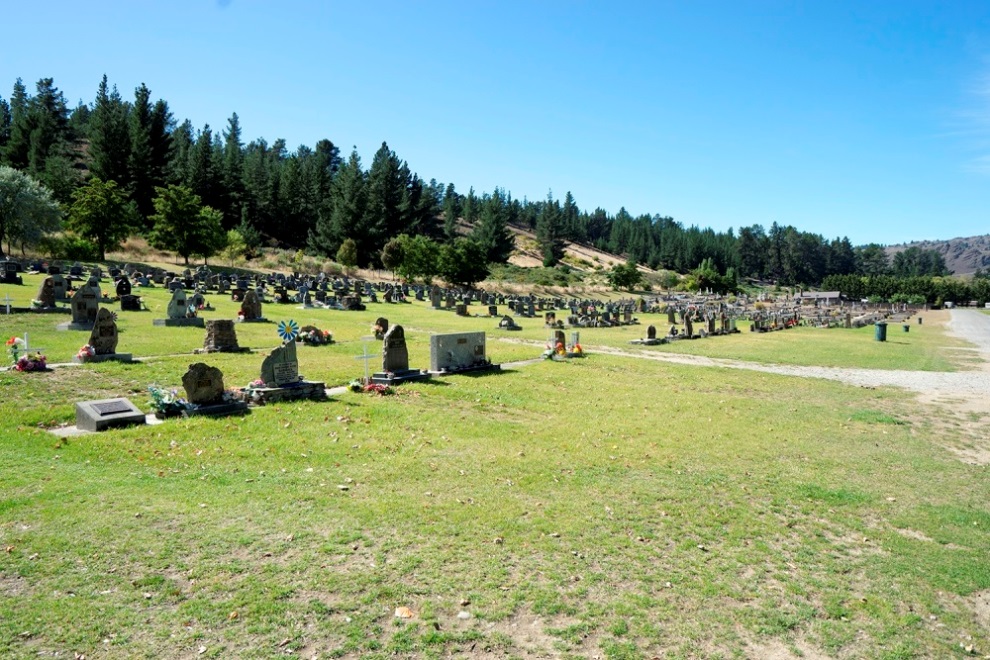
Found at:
(18, 144)
(385, 188)
(140, 165)
(344, 216)
(451, 212)
(109, 136)
(491, 232)
(232, 171)
(571, 219)
(550, 232)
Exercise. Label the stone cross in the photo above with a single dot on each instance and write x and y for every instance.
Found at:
(7, 300)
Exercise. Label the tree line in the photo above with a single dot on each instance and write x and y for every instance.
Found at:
(117, 165)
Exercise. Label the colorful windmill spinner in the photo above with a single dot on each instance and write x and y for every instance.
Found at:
(288, 330)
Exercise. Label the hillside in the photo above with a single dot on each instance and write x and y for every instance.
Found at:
(962, 255)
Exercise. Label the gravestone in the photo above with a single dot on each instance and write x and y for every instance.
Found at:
(461, 309)
(179, 314)
(380, 328)
(281, 367)
(46, 294)
(178, 306)
(61, 287)
(251, 307)
(85, 303)
(103, 414)
(492, 310)
(130, 303)
(280, 373)
(8, 273)
(203, 384)
(205, 393)
(395, 360)
(651, 332)
(123, 287)
(508, 323)
(459, 352)
(221, 337)
(103, 339)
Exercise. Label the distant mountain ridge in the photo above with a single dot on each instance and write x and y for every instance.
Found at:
(963, 256)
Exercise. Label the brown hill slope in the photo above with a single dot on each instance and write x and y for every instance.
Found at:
(962, 255)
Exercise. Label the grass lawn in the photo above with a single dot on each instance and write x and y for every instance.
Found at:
(607, 506)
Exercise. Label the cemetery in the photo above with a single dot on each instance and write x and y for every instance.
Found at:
(223, 483)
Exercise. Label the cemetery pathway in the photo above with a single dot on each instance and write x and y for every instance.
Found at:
(962, 391)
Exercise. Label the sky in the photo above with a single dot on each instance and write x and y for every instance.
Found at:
(867, 119)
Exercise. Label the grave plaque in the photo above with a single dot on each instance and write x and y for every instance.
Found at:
(106, 413)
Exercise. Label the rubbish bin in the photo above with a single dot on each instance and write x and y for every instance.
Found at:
(907, 328)
(880, 331)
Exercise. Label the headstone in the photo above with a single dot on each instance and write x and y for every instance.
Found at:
(461, 309)
(395, 355)
(85, 303)
(123, 287)
(380, 328)
(46, 294)
(221, 336)
(130, 303)
(395, 360)
(178, 306)
(251, 307)
(281, 367)
(459, 352)
(203, 384)
(651, 332)
(492, 310)
(103, 414)
(103, 339)
(61, 286)
(508, 323)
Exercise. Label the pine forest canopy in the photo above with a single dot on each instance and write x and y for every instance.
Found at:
(315, 199)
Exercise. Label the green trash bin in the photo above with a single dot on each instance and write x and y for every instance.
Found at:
(880, 331)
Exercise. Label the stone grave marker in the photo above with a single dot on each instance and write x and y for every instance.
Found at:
(281, 367)
(205, 393)
(251, 307)
(46, 293)
(178, 306)
(395, 360)
(221, 337)
(459, 352)
(84, 305)
(103, 414)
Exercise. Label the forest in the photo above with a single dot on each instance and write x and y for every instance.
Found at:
(116, 166)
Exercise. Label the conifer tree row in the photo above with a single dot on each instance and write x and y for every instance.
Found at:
(312, 198)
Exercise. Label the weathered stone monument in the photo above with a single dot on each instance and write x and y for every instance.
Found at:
(459, 352)
(251, 308)
(46, 293)
(103, 339)
(508, 323)
(205, 393)
(282, 382)
(221, 337)
(84, 305)
(395, 360)
(179, 314)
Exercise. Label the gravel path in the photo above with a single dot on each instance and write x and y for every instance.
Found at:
(966, 390)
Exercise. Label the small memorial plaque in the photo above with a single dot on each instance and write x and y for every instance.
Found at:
(286, 372)
(112, 407)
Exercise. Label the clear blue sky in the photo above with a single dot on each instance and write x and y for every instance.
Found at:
(867, 119)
